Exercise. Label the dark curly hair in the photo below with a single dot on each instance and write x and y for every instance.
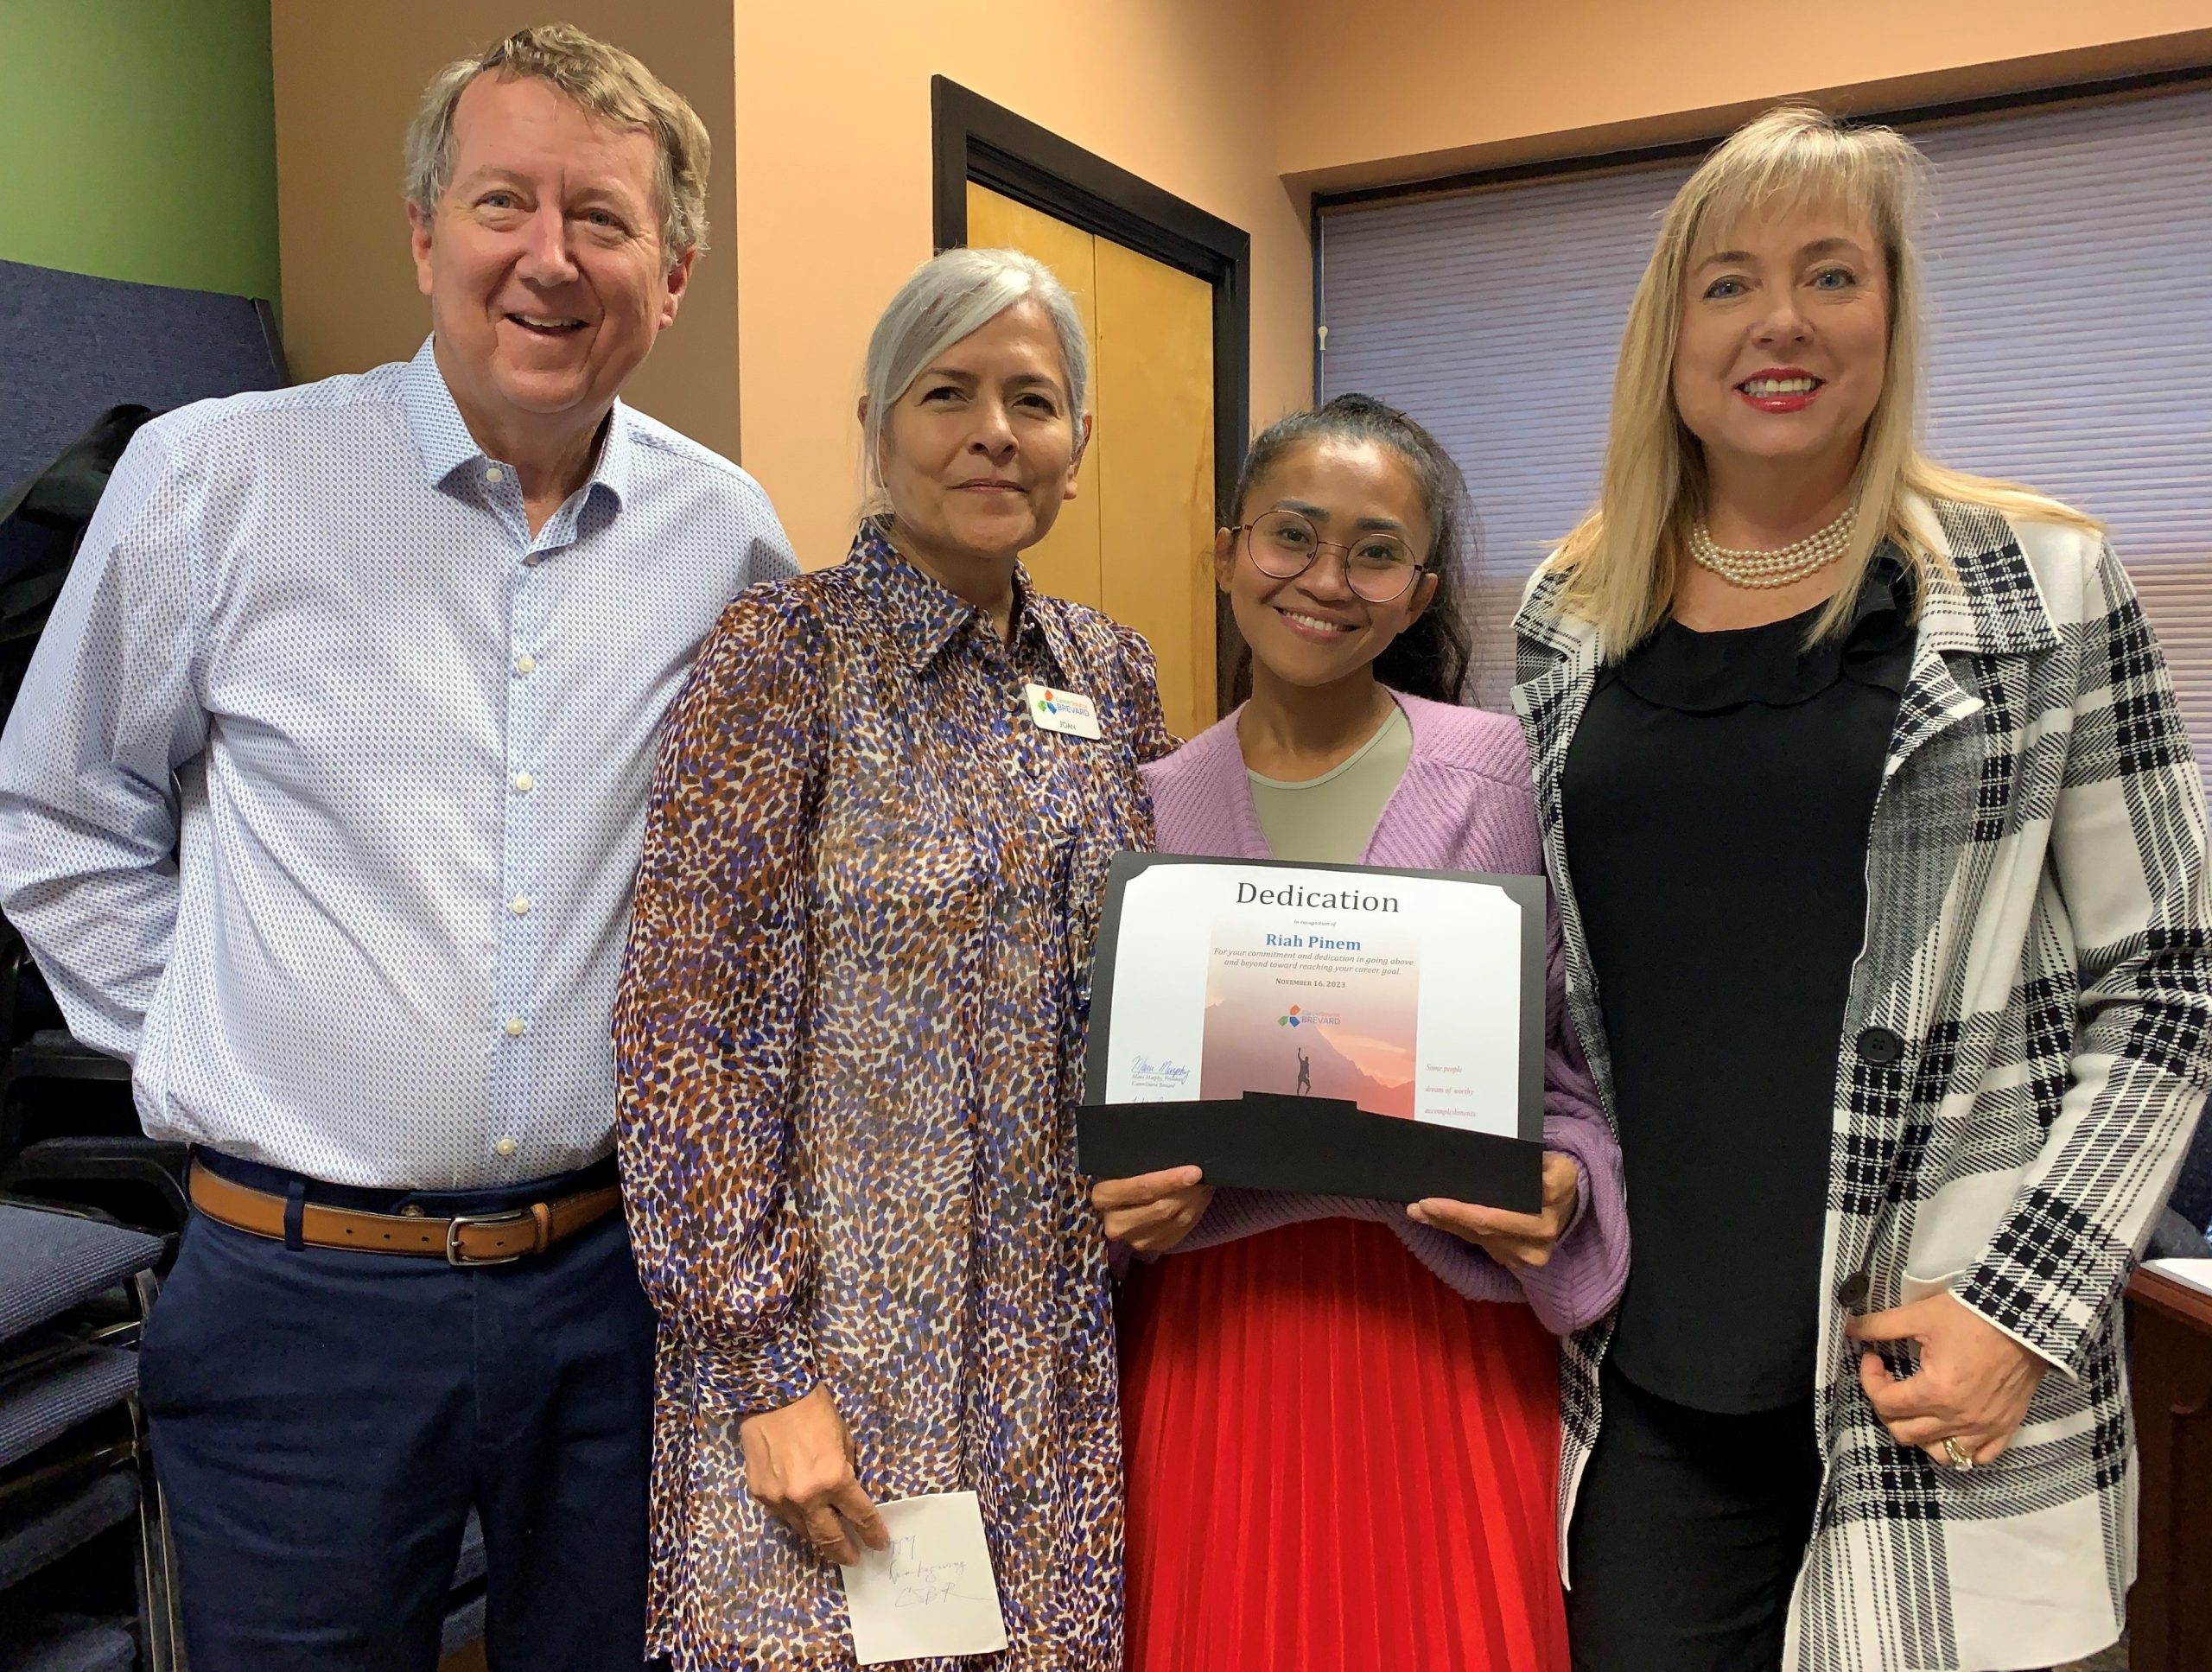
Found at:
(1429, 659)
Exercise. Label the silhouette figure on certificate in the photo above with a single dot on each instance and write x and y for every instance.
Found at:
(1305, 1073)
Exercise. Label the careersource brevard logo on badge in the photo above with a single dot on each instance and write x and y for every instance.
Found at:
(1300, 1016)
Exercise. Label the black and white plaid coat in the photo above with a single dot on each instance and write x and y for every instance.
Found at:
(2026, 1045)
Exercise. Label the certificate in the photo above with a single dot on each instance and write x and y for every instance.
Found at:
(1337, 1028)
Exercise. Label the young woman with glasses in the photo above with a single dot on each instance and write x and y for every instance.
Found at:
(1340, 1417)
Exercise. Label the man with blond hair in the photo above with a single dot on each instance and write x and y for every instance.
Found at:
(321, 807)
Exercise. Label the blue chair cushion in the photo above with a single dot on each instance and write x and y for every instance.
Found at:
(77, 345)
(40, 1405)
(464, 1625)
(65, 1524)
(51, 1262)
(471, 1566)
(2192, 1191)
(70, 1643)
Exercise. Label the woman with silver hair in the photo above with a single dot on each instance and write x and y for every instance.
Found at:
(1880, 859)
(850, 1025)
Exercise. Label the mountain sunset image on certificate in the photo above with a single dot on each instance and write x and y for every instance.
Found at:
(1312, 1013)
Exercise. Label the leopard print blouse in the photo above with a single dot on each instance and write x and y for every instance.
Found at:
(848, 1043)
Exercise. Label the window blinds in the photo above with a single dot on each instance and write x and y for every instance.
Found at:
(2069, 284)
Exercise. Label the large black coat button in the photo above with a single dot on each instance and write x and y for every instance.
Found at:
(1878, 1047)
(1851, 1293)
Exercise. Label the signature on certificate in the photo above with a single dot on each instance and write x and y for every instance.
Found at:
(1146, 1073)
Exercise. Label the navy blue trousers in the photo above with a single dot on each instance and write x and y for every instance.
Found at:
(323, 1421)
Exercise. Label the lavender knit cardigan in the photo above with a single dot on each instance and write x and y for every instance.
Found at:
(1464, 804)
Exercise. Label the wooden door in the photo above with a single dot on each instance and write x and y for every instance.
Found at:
(1137, 541)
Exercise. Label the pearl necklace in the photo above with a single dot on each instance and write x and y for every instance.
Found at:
(1762, 569)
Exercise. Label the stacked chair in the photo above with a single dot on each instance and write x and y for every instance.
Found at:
(68, 1131)
(90, 1210)
(85, 1577)
(465, 1603)
(89, 1214)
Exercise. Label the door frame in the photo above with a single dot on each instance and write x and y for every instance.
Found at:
(973, 139)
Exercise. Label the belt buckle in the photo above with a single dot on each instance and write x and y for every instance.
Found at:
(455, 1257)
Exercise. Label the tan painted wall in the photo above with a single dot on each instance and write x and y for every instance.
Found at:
(1428, 86)
(347, 80)
(834, 187)
(822, 182)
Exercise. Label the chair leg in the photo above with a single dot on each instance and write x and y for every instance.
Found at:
(164, 1625)
(162, 1628)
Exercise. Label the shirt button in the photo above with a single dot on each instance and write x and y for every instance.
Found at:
(494, 475)
(525, 664)
(514, 1026)
(1878, 1047)
(520, 905)
(524, 782)
(506, 1147)
(533, 559)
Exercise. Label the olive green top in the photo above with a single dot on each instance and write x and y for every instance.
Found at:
(1328, 820)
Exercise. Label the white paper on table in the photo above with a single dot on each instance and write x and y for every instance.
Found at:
(2197, 1274)
(932, 1593)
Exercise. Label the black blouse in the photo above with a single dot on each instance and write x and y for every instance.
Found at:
(1716, 798)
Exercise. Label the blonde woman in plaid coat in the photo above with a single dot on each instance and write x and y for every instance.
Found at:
(1912, 727)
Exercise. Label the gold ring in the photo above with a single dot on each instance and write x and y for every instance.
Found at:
(1962, 1459)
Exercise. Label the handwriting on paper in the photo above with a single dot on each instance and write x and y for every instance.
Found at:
(920, 1582)
(932, 1593)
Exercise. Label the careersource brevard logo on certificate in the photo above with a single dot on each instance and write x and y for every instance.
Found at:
(1398, 993)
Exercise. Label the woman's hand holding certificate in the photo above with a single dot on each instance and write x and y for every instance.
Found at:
(1152, 1211)
(1519, 1242)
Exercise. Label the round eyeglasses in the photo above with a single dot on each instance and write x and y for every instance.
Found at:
(1378, 567)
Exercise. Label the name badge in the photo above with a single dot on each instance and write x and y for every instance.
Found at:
(1062, 711)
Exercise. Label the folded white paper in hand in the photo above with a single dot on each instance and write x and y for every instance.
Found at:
(932, 1593)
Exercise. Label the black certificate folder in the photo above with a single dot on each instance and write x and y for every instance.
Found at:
(1345, 1029)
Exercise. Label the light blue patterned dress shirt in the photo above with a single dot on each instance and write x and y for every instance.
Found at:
(401, 749)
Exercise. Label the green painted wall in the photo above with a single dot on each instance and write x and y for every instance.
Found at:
(138, 141)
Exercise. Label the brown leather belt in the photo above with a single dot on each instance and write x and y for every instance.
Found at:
(466, 1239)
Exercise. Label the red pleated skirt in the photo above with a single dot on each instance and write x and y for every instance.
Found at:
(1335, 1462)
